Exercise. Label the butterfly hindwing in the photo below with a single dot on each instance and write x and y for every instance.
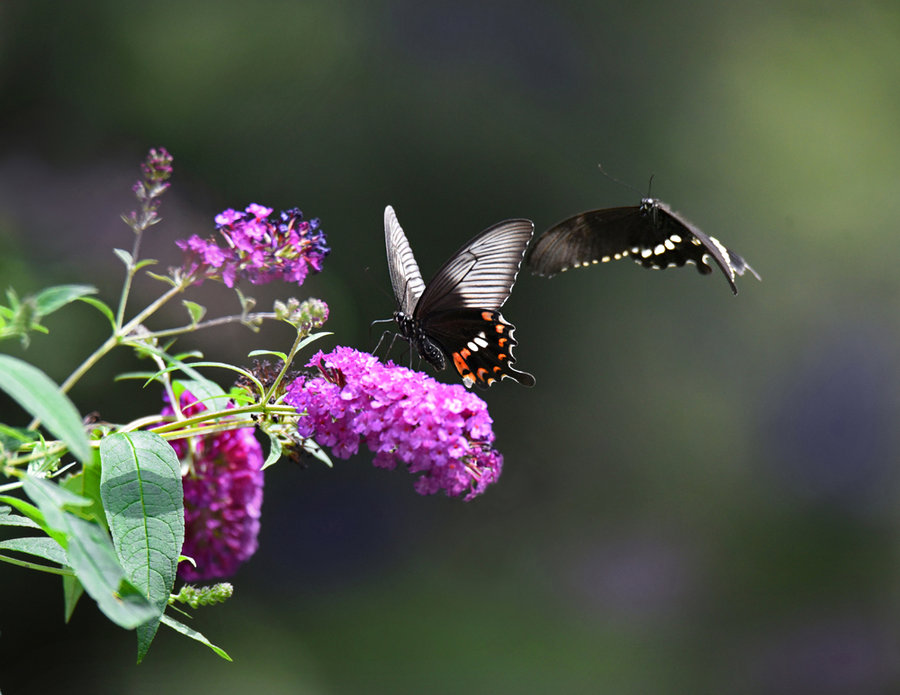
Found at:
(479, 343)
(651, 234)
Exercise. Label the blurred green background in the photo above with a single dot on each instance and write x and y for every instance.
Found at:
(700, 494)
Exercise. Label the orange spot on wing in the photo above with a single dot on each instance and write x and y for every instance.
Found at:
(487, 315)
(501, 342)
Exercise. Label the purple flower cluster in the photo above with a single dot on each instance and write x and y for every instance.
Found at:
(439, 430)
(222, 498)
(260, 247)
(156, 170)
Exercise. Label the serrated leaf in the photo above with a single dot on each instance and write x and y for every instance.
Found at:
(72, 591)
(274, 451)
(39, 396)
(102, 307)
(124, 256)
(193, 634)
(196, 311)
(39, 546)
(91, 554)
(52, 298)
(144, 502)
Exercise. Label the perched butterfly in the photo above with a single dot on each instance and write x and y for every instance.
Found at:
(652, 234)
(457, 316)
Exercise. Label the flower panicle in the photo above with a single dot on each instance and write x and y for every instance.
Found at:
(196, 596)
(304, 316)
(156, 170)
(440, 431)
(223, 491)
(258, 247)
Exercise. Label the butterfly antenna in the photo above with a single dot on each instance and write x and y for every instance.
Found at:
(650, 185)
(621, 183)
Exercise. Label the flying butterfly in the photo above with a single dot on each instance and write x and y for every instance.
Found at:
(651, 233)
(456, 316)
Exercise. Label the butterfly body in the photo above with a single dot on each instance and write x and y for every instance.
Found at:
(652, 234)
(456, 317)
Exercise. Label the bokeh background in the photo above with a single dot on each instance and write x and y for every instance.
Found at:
(701, 492)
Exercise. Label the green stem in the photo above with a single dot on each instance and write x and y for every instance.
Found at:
(284, 368)
(129, 276)
(211, 323)
(119, 335)
(34, 566)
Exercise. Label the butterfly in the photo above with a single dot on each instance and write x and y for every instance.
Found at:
(651, 233)
(456, 316)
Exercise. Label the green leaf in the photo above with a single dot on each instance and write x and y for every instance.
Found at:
(34, 515)
(144, 263)
(162, 278)
(144, 502)
(91, 554)
(13, 438)
(312, 447)
(275, 353)
(39, 546)
(124, 256)
(102, 307)
(193, 634)
(274, 451)
(72, 591)
(52, 298)
(37, 394)
(196, 311)
(7, 519)
(209, 393)
(86, 484)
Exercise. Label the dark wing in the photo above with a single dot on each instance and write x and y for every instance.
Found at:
(652, 234)
(405, 276)
(590, 237)
(683, 242)
(482, 273)
(479, 342)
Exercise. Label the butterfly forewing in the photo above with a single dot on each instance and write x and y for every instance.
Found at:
(589, 237)
(482, 273)
(405, 276)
